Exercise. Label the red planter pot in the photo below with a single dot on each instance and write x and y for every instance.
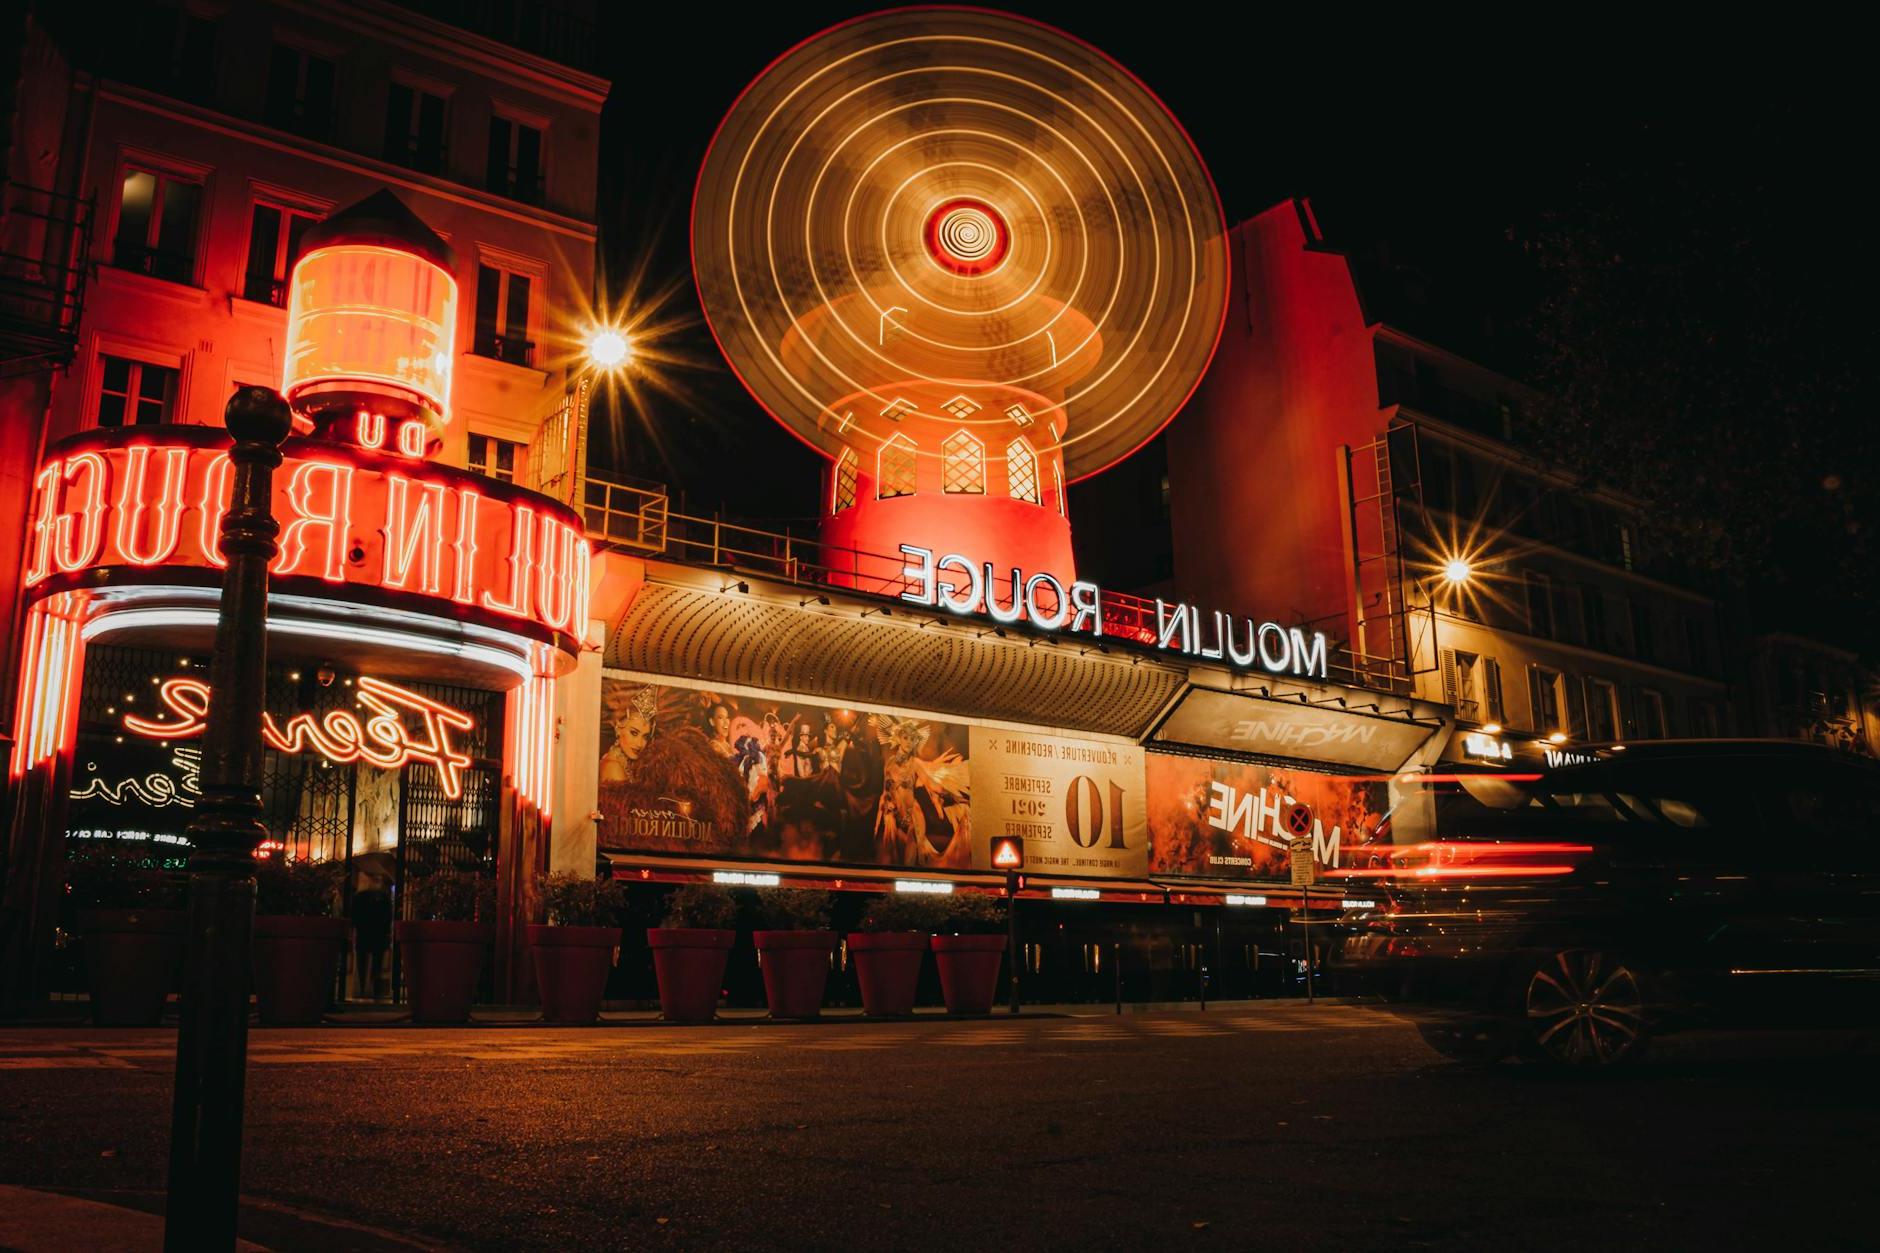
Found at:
(132, 958)
(443, 962)
(887, 965)
(296, 964)
(969, 971)
(796, 968)
(690, 962)
(571, 965)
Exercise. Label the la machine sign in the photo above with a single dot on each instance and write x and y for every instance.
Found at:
(980, 589)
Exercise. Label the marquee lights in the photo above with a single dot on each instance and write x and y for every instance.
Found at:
(410, 527)
(959, 585)
(383, 740)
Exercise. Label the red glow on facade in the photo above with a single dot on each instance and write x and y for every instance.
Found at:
(384, 740)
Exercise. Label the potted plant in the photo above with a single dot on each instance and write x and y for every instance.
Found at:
(793, 947)
(443, 942)
(690, 951)
(576, 947)
(968, 957)
(133, 924)
(889, 947)
(298, 942)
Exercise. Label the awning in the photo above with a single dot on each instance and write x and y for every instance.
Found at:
(1295, 726)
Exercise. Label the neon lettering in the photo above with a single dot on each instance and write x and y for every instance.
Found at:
(414, 534)
(130, 505)
(89, 518)
(332, 520)
(521, 558)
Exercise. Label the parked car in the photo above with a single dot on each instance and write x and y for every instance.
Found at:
(1573, 914)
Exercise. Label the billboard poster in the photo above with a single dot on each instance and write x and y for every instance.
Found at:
(1233, 819)
(1078, 804)
(687, 769)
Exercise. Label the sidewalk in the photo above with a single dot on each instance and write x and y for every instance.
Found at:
(367, 1014)
(34, 1220)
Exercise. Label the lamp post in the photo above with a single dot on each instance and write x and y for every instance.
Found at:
(212, 1040)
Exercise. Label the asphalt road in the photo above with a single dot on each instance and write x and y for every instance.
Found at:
(1327, 1127)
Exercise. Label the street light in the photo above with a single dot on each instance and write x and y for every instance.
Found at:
(609, 349)
(1457, 571)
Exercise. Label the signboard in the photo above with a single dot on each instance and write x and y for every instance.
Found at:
(1077, 804)
(1239, 820)
(700, 770)
(1007, 594)
(1008, 853)
(1304, 865)
(1250, 724)
(349, 516)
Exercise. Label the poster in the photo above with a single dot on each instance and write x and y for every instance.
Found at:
(700, 770)
(1078, 804)
(1232, 819)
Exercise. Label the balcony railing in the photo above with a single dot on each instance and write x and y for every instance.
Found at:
(42, 274)
(510, 348)
(635, 516)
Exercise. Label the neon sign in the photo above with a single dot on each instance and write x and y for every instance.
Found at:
(347, 517)
(384, 740)
(954, 583)
(155, 789)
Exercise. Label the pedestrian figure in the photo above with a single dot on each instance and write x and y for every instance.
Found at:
(371, 915)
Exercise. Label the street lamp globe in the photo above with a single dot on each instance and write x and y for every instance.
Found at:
(608, 349)
(1457, 571)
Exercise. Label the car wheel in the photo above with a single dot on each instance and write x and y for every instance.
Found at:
(1585, 1009)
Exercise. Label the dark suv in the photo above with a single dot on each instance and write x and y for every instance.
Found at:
(1574, 913)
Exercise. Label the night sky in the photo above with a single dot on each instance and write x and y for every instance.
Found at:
(1433, 156)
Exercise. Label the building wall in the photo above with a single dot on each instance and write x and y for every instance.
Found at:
(1256, 507)
(206, 328)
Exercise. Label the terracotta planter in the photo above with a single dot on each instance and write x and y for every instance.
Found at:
(690, 962)
(969, 971)
(887, 965)
(296, 964)
(796, 968)
(132, 958)
(443, 962)
(571, 965)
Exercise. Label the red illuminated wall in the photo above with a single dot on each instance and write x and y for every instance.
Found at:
(1256, 511)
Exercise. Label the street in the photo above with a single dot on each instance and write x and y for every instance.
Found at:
(1318, 1127)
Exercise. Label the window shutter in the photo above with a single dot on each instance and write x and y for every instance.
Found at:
(1449, 677)
(1491, 689)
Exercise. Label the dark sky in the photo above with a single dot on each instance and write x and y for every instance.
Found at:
(1431, 151)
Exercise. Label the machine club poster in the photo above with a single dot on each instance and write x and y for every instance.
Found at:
(1233, 819)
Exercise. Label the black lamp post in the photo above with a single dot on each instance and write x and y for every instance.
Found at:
(212, 1042)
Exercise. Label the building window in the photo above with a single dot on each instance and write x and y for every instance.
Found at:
(414, 129)
(1544, 692)
(495, 458)
(300, 92)
(1697, 643)
(1625, 545)
(156, 228)
(274, 235)
(515, 160)
(1602, 710)
(1644, 638)
(503, 316)
(1021, 471)
(1704, 721)
(135, 393)
(1593, 607)
(1651, 714)
(1472, 684)
(166, 48)
(962, 465)
(895, 474)
(848, 470)
(1540, 606)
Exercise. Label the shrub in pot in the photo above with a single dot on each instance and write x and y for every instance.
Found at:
(968, 954)
(298, 942)
(133, 924)
(576, 947)
(690, 950)
(793, 947)
(889, 946)
(443, 940)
